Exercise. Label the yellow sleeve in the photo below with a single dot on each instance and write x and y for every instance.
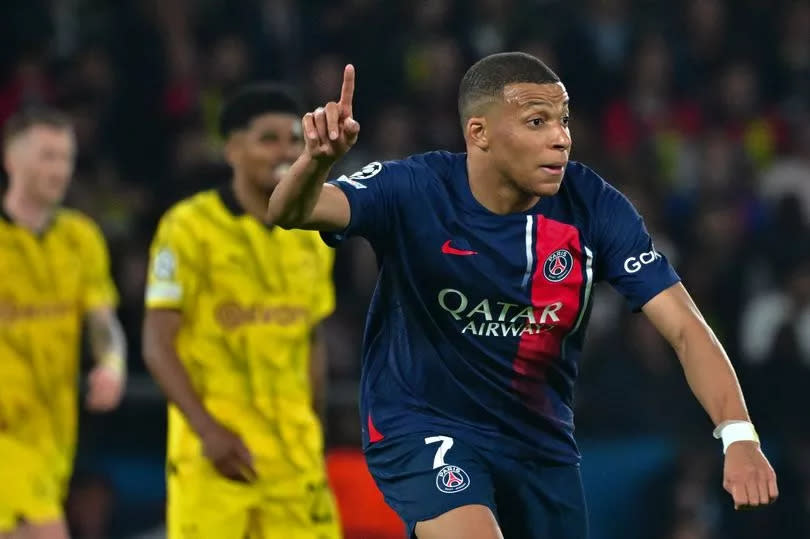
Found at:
(324, 298)
(97, 282)
(173, 256)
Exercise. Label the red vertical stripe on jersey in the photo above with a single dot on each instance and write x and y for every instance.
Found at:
(541, 344)
(373, 434)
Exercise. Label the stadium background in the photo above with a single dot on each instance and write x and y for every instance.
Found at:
(698, 110)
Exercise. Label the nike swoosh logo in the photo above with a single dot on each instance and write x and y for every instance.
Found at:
(448, 250)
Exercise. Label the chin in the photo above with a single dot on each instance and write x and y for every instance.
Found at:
(52, 198)
(548, 189)
(266, 185)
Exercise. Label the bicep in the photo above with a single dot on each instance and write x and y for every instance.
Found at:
(331, 212)
(160, 329)
(99, 289)
(175, 262)
(363, 204)
(628, 260)
(672, 311)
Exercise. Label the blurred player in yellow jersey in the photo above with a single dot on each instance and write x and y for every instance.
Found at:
(54, 273)
(230, 334)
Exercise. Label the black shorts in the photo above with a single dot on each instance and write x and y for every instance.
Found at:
(424, 476)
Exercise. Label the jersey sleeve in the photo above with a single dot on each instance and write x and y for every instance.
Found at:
(324, 297)
(374, 193)
(98, 286)
(173, 263)
(627, 257)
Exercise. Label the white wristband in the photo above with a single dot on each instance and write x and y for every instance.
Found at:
(735, 431)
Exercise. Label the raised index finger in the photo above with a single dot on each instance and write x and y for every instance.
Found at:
(347, 90)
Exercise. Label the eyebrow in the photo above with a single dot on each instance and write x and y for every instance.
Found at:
(543, 103)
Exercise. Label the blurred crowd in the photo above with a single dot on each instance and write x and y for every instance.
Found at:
(698, 110)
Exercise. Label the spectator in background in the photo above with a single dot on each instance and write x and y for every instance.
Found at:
(775, 342)
(648, 119)
(790, 174)
(704, 47)
(792, 51)
(738, 110)
(29, 84)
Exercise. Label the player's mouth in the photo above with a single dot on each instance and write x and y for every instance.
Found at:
(281, 170)
(555, 169)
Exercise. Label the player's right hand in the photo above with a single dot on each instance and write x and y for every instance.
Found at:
(105, 387)
(330, 131)
(229, 455)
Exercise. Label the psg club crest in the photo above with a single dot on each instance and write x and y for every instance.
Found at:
(451, 479)
(558, 265)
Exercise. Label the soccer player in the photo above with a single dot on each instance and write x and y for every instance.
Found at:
(231, 335)
(487, 263)
(55, 273)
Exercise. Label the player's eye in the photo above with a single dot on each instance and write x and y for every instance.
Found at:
(565, 120)
(536, 122)
(269, 137)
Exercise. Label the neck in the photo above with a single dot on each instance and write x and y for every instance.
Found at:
(493, 190)
(252, 200)
(26, 211)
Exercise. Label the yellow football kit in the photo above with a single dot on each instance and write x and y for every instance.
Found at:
(48, 282)
(250, 297)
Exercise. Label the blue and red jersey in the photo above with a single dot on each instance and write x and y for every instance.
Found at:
(477, 321)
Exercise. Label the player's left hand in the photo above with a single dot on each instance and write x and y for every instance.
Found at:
(748, 476)
(106, 387)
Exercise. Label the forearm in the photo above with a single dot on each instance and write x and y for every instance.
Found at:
(170, 374)
(295, 196)
(107, 339)
(709, 373)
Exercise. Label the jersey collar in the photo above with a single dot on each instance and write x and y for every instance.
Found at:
(228, 198)
(5, 216)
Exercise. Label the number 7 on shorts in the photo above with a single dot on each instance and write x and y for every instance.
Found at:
(446, 444)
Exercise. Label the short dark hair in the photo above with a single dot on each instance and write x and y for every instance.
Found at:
(28, 117)
(485, 80)
(254, 100)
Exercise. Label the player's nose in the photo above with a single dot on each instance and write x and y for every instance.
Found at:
(562, 138)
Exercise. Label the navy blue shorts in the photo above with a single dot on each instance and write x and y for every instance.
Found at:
(425, 476)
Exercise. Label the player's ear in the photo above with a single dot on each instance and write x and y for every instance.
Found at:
(7, 163)
(11, 157)
(477, 132)
(233, 148)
